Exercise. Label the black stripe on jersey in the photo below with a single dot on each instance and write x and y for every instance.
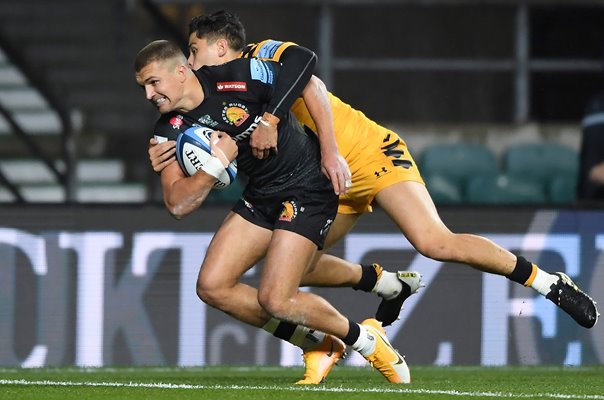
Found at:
(390, 149)
(248, 51)
(392, 145)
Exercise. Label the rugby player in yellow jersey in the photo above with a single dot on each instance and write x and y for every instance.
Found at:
(382, 171)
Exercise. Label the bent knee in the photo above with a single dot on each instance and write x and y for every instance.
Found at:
(211, 293)
(204, 292)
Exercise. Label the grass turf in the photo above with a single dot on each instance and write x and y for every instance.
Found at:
(429, 382)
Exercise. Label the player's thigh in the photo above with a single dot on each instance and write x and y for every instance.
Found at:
(236, 247)
(339, 228)
(410, 206)
(288, 256)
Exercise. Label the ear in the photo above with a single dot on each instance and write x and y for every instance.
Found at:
(181, 72)
(222, 47)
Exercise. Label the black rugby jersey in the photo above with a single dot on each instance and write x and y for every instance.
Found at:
(236, 94)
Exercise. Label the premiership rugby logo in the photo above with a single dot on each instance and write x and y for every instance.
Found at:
(231, 86)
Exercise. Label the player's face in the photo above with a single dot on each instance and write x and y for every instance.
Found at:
(162, 85)
(203, 53)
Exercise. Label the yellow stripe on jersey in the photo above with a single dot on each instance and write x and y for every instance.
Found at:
(267, 50)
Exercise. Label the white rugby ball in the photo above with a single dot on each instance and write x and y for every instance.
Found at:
(193, 151)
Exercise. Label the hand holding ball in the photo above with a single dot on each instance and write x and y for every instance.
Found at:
(196, 150)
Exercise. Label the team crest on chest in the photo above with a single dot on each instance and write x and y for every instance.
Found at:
(235, 113)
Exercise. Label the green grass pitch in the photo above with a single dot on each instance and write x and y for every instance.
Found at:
(429, 382)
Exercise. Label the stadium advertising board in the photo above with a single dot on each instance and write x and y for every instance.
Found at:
(98, 286)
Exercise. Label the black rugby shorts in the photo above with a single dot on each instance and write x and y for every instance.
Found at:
(307, 212)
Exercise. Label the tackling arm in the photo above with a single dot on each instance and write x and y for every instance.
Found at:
(317, 102)
(334, 166)
(297, 65)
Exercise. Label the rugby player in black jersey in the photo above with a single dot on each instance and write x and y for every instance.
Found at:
(287, 206)
(220, 37)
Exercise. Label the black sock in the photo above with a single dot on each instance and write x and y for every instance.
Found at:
(285, 330)
(354, 331)
(368, 279)
(522, 271)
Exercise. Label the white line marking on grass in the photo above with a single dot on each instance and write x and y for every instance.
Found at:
(159, 385)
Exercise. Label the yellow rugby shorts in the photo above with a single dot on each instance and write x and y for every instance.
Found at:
(380, 160)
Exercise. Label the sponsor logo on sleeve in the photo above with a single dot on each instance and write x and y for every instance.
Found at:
(269, 49)
(261, 71)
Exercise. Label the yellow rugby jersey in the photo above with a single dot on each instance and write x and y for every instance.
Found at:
(348, 122)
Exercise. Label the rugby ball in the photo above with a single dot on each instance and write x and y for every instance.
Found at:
(193, 151)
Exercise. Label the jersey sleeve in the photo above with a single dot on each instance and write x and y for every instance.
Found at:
(267, 50)
(297, 66)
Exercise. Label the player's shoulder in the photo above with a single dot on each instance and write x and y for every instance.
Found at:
(237, 69)
(236, 64)
(243, 68)
(269, 49)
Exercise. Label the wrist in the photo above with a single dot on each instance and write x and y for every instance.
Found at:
(213, 167)
(218, 153)
(269, 119)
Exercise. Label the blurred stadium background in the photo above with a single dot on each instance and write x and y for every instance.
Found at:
(494, 74)
(496, 86)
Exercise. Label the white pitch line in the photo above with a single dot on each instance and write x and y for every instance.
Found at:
(23, 382)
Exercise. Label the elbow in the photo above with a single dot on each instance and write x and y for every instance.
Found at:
(176, 215)
(318, 83)
(176, 211)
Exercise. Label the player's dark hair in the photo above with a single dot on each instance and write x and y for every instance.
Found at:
(158, 50)
(220, 24)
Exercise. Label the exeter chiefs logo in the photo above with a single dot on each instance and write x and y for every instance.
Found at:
(289, 211)
(235, 114)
